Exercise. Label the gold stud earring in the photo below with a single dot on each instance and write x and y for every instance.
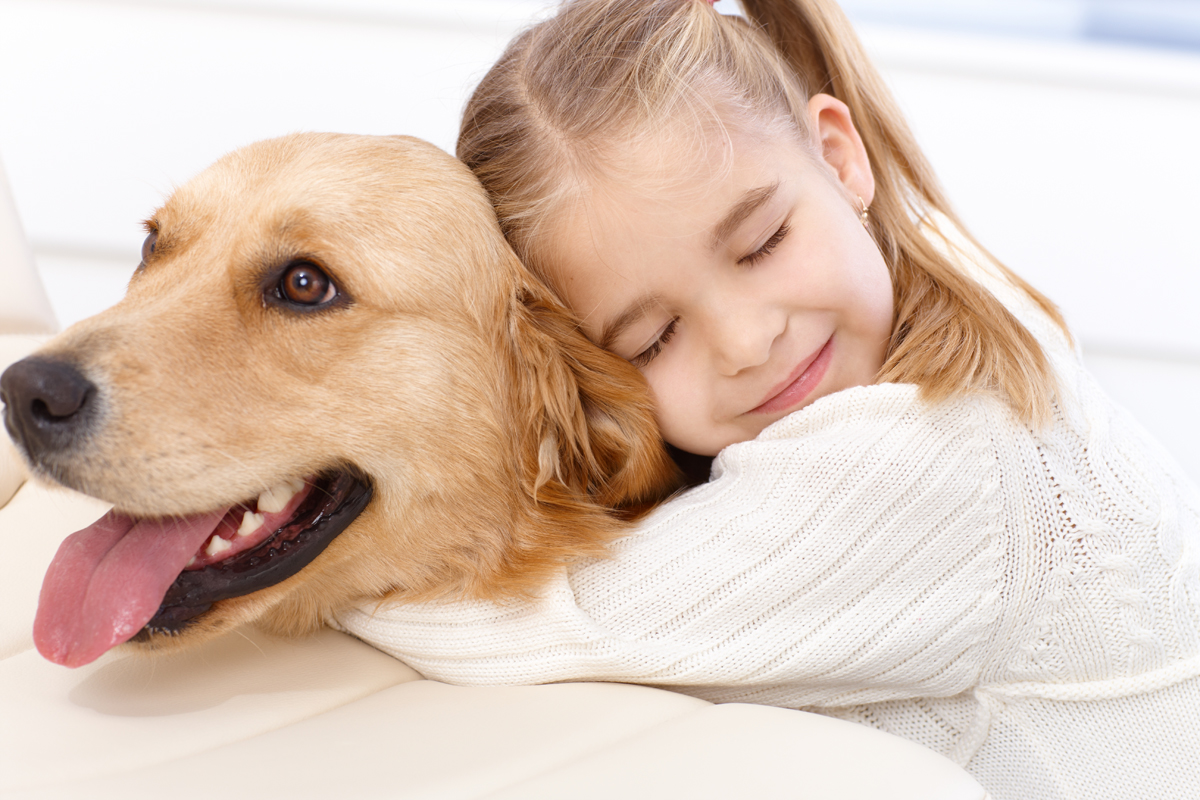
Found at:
(864, 213)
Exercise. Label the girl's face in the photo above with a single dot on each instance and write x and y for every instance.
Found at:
(741, 295)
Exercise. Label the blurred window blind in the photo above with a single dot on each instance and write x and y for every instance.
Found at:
(1160, 23)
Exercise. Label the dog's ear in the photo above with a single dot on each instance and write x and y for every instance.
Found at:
(591, 427)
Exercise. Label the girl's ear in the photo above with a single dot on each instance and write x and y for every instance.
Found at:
(841, 146)
(590, 432)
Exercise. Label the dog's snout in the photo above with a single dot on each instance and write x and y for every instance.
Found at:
(48, 404)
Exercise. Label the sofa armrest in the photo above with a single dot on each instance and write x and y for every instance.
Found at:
(740, 750)
(286, 722)
(24, 306)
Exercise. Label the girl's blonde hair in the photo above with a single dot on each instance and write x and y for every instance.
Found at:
(567, 88)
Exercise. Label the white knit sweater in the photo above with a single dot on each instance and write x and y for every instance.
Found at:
(1025, 603)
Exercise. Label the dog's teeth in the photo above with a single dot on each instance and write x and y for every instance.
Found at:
(191, 561)
(250, 523)
(276, 498)
(216, 546)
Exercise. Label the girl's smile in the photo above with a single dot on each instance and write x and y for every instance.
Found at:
(742, 291)
(804, 379)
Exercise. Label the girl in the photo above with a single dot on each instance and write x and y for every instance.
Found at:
(923, 514)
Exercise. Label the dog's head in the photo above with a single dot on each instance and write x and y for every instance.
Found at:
(330, 381)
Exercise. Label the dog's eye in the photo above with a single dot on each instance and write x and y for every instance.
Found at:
(306, 285)
(148, 246)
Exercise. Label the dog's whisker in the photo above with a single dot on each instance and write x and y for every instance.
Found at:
(328, 494)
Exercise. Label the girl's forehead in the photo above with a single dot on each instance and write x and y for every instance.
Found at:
(687, 168)
(656, 196)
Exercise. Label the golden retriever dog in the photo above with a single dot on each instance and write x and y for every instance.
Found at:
(330, 382)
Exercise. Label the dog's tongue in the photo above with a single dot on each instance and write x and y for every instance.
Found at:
(108, 580)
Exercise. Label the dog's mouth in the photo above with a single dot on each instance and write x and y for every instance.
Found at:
(124, 578)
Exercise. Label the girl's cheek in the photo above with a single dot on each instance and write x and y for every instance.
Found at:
(673, 390)
(661, 388)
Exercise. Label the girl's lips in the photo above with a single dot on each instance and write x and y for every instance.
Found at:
(799, 384)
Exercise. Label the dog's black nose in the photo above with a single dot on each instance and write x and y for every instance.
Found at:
(47, 403)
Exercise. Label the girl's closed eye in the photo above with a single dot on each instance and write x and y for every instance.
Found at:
(646, 356)
(767, 247)
(650, 353)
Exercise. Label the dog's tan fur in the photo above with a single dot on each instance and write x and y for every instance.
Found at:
(498, 440)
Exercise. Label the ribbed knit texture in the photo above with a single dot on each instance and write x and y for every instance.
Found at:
(1027, 604)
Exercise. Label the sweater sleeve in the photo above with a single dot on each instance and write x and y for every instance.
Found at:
(851, 553)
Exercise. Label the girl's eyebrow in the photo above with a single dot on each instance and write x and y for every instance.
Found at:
(751, 201)
(632, 313)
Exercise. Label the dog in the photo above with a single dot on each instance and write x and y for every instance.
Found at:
(330, 382)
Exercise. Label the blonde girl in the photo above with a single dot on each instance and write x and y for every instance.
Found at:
(923, 513)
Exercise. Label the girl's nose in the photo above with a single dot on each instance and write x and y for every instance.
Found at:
(743, 340)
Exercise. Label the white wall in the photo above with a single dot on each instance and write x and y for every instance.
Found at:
(1075, 163)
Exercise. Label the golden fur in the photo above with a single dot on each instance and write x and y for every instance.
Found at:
(499, 442)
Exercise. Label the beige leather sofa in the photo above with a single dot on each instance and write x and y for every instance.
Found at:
(328, 716)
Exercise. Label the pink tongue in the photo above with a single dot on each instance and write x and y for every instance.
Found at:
(108, 580)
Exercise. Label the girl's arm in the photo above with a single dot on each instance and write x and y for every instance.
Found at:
(851, 554)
